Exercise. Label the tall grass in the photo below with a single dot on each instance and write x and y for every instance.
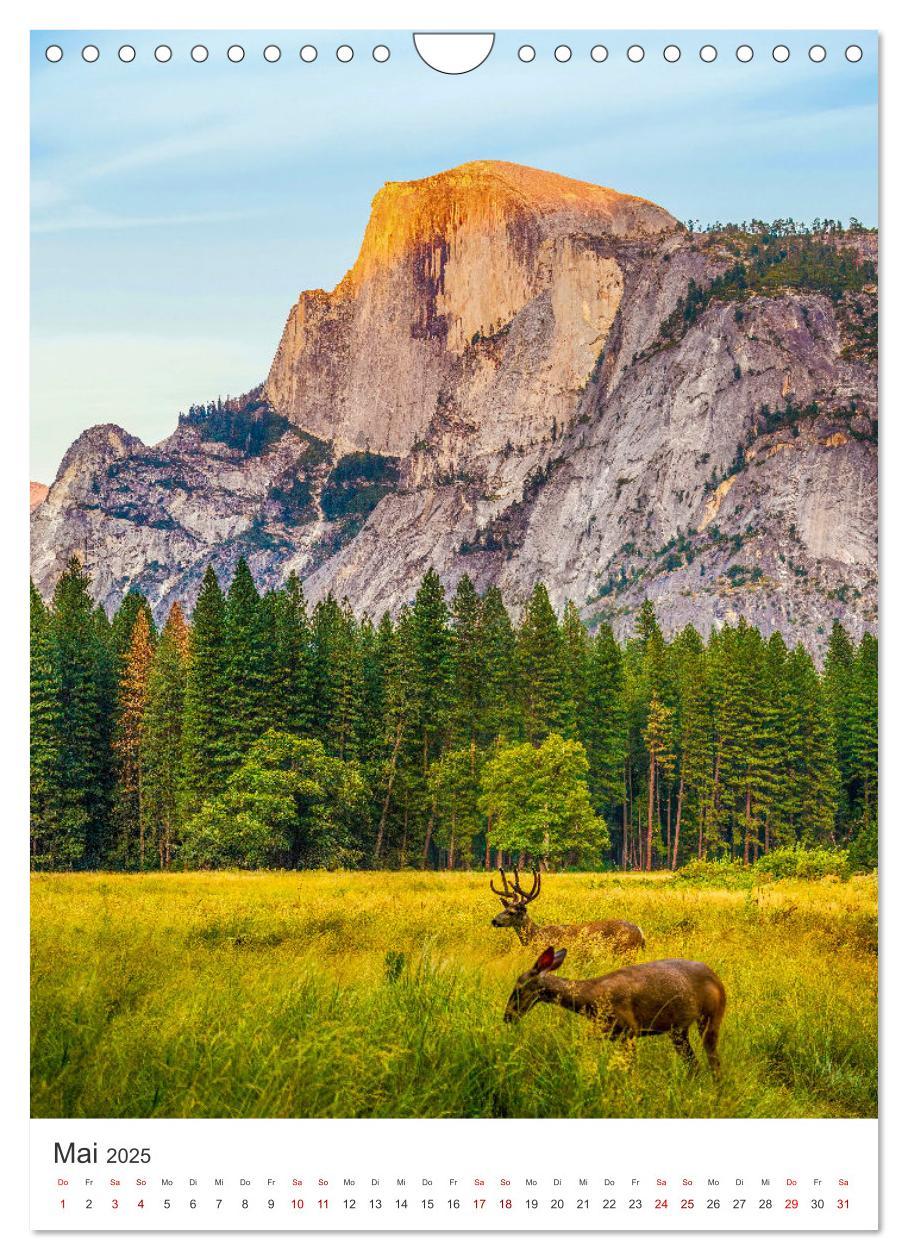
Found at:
(349, 994)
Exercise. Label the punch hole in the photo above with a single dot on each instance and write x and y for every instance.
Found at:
(53, 52)
(599, 53)
(308, 53)
(126, 53)
(381, 52)
(526, 52)
(817, 53)
(854, 52)
(562, 53)
(745, 53)
(162, 53)
(635, 53)
(780, 53)
(345, 53)
(708, 53)
(236, 53)
(452, 52)
(671, 53)
(272, 53)
(199, 53)
(90, 53)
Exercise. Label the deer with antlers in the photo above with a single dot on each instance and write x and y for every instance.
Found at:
(621, 936)
(640, 1001)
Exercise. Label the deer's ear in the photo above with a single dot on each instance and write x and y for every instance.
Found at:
(545, 959)
(560, 955)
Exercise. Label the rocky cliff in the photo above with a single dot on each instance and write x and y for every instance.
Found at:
(525, 377)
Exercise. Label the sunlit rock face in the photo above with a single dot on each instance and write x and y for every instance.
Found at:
(491, 389)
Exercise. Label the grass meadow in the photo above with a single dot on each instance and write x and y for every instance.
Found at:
(354, 994)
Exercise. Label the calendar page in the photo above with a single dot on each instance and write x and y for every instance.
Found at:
(453, 630)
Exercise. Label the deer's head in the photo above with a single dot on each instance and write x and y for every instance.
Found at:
(514, 899)
(531, 985)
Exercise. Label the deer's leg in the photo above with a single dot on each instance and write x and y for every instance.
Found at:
(681, 1041)
(710, 1044)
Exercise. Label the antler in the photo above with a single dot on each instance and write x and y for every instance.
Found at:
(508, 894)
(527, 897)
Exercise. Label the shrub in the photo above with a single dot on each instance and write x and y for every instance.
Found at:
(799, 863)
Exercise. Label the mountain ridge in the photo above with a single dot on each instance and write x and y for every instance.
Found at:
(564, 384)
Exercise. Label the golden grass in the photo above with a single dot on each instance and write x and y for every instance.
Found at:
(354, 994)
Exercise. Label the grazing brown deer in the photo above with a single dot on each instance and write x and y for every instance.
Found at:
(621, 936)
(640, 1001)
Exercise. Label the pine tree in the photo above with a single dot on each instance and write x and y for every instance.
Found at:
(338, 689)
(658, 740)
(433, 662)
(123, 623)
(248, 660)
(545, 696)
(500, 717)
(45, 742)
(83, 784)
(205, 754)
(603, 721)
(695, 736)
(293, 660)
(162, 739)
(864, 723)
(838, 689)
(133, 697)
(468, 674)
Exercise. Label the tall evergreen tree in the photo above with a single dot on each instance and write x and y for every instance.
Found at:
(205, 753)
(434, 667)
(45, 742)
(469, 683)
(133, 697)
(162, 739)
(84, 785)
(248, 662)
(498, 656)
(547, 705)
(603, 720)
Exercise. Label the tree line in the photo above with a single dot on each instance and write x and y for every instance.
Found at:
(267, 733)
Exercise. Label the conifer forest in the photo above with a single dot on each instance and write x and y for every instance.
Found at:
(260, 732)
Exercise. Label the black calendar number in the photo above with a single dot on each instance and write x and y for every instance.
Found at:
(375, 1203)
(582, 1203)
(532, 1204)
(244, 1203)
(349, 1204)
(635, 1203)
(557, 1203)
(712, 1204)
(128, 1155)
(454, 1204)
(166, 1205)
(428, 1204)
(296, 1203)
(817, 1203)
(401, 1203)
(88, 1204)
(766, 1203)
(737, 1204)
(270, 1204)
(504, 1203)
(608, 1204)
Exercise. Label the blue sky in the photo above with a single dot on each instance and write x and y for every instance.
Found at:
(178, 209)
